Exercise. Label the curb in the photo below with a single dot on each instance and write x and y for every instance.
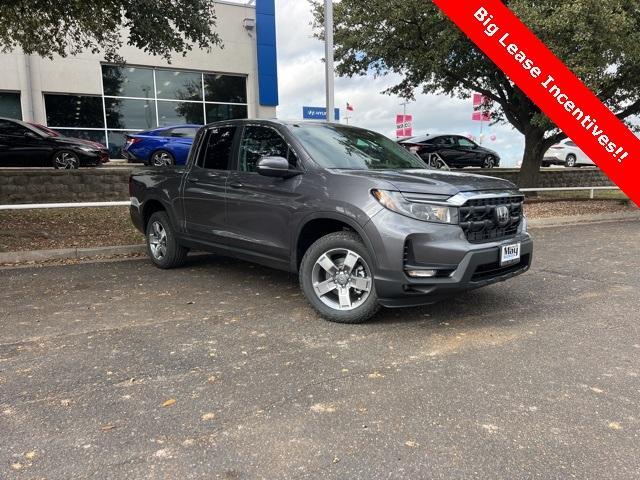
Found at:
(69, 253)
(582, 219)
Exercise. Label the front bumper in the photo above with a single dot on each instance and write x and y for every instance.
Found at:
(400, 242)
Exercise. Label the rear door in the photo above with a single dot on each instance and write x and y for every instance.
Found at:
(259, 208)
(445, 146)
(205, 184)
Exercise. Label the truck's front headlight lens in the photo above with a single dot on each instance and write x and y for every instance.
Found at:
(425, 211)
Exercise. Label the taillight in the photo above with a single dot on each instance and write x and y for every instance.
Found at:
(558, 146)
(132, 141)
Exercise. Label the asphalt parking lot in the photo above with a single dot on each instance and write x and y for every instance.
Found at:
(221, 370)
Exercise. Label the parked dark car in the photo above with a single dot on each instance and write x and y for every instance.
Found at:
(362, 221)
(455, 151)
(162, 146)
(24, 145)
(103, 149)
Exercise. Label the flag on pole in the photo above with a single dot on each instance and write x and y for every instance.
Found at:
(480, 111)
(349, 107)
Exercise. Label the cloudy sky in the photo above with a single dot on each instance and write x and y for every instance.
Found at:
(301, 78)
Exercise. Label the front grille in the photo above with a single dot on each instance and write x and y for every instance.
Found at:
(477, 218)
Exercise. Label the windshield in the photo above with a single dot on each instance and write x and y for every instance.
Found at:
(340, 146)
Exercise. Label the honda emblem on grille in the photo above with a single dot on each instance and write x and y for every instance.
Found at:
(501, 215)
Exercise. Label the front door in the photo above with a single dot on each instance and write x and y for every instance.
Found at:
(204, 189)
(259, 208)
(21, 147)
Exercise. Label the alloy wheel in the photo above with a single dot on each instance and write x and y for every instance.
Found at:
(158, 240)
(489, 162)
(162, 159)
(341, 279)
(66, 160)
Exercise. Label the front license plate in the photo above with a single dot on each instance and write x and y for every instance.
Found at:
(509, 254)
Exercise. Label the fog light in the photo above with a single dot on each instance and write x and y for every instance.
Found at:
(422, 273)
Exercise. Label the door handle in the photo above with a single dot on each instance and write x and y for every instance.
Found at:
(236, 185)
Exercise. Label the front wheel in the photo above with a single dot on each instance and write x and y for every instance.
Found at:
(66, 160)
(571, 160)
(336, 277)
(489, 162)
(162, 244)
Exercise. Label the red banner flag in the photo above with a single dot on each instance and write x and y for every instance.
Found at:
(551, 86)
(404, 126)
(480, 114)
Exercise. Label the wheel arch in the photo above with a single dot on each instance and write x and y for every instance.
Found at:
(318, 225)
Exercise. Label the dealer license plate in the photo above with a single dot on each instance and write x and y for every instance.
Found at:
(509, 254)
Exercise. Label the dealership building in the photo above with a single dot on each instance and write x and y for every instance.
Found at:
(84, 96)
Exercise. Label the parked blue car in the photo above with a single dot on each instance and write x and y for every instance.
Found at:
(162, 146)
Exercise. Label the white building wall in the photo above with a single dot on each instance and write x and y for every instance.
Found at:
(81, 74)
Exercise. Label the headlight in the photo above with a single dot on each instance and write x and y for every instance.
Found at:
(425, 211)
(87, 149)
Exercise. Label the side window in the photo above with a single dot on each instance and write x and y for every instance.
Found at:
(444, 141)
(464, 142)
(12, 129)
(570, 144)
(218, 153)
(183, 132)
(258, 142)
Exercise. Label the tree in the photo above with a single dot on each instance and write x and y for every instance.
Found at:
(599, 41)
(159, 27)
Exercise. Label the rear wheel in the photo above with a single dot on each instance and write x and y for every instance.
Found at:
(571, 160)
(162, 158)
(66, 160)
(336, 277)
(162, 245)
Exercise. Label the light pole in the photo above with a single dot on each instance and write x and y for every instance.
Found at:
(328, 55)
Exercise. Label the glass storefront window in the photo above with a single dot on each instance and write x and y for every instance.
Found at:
(130, 114)
(178, 85)
(93, 135)
(174, 113)
(10, 105)
(117, 140)
(74, 111)
(225, 88)
(217, 112)
(127, 81)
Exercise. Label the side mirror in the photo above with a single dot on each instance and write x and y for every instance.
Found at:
(277, 167)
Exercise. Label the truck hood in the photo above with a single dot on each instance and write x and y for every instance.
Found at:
(435, 182)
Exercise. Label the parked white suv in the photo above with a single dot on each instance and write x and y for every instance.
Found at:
(566, 153)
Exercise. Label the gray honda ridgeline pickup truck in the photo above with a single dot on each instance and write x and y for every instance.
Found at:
(363, 222)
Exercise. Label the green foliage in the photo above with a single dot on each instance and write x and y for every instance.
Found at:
(68, 27)
(599, 41)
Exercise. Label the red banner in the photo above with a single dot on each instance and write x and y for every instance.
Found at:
(480, 114)
(551, 86)
(404, 126)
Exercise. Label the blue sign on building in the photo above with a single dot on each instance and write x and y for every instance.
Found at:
(318, 113)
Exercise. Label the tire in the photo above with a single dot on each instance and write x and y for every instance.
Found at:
(332, 251)
(162, 246)
(66, 160)
(489, 162)
(571, 160)
(162, 158)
